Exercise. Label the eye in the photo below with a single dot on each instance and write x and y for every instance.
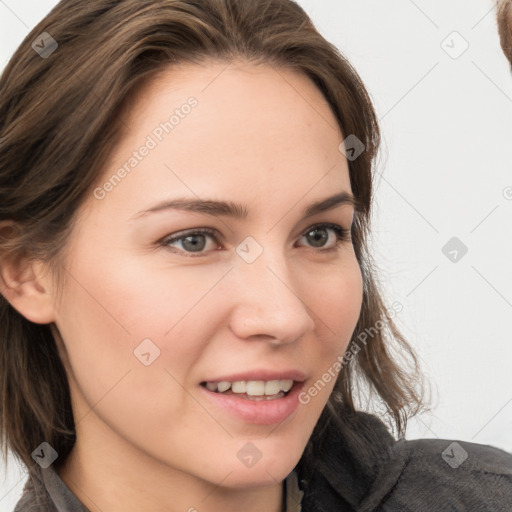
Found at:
(318, 236)
(194, 241)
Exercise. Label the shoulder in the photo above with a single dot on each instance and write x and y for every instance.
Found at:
(361, 466)
(465, 455)
(34, 498)
(451, 475)
(27, 503)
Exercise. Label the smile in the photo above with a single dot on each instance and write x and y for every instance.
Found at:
(252, 389)
(247, 400)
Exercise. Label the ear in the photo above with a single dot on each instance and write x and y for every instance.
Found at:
(25, 284)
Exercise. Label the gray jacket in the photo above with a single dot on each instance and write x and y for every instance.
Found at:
(360, 467)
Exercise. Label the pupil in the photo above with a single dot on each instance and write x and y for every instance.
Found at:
(322, 238)
(194, 245)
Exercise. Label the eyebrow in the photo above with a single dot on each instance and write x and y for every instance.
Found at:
(238, 211)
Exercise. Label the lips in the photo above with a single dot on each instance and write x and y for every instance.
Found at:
(258, 410)
(260, 396)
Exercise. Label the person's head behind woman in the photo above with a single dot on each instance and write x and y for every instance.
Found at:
(68, 182)
(504, 17)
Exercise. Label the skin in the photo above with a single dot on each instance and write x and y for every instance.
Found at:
(146, 437)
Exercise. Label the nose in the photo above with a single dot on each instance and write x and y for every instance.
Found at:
(269, 304)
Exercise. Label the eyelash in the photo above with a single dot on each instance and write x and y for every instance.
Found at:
(342, 235)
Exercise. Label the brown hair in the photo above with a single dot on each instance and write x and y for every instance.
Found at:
(60, 119)
(504, 17)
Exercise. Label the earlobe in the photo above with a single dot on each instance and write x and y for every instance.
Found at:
(25, 285)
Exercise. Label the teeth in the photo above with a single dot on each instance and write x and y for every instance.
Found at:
(286, 385)
(239, 386)
(211, 386)
(252, 387)
(272, 387)
(255, 388)
(222, 386)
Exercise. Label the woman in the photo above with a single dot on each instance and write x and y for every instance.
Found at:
(176, 333)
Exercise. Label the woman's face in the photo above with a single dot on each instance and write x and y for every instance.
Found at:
(146, 321)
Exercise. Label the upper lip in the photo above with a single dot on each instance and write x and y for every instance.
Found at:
(263, 374)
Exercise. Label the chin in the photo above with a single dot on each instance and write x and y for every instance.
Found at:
(274, 465)
(262, 474)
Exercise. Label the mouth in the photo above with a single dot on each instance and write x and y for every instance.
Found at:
(258, 402)
(256, 390)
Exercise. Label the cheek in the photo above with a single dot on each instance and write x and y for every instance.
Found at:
(104, 323)
(127, 302)
(336, 304)
(110, 309)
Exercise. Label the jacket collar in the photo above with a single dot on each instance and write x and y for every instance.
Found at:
(354, 467)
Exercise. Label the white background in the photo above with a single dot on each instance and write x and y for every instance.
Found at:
(445, 163)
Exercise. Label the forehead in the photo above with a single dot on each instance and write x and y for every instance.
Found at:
(238, 103)
(256, 126)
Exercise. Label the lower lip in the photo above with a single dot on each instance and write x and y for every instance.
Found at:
(259, 412)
